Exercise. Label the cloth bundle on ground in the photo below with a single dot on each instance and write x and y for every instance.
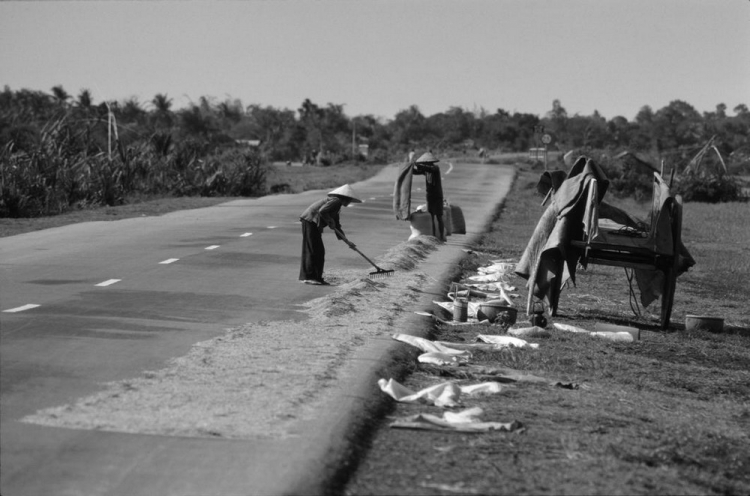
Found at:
(550, 260)
(445, 394)
(463, 421)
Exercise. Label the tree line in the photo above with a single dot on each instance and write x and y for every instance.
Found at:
(61, 150)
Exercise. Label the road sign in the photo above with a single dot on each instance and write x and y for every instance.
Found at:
(546, 139)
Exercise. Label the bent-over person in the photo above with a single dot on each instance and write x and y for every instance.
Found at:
(322, 213)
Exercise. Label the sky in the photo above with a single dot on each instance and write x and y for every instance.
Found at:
(379, 57)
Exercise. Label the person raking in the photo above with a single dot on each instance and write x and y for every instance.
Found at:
(314, 219)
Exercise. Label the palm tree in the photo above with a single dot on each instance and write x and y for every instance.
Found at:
(162, 110)
(162, 103)
(84, 98)
(60, 94)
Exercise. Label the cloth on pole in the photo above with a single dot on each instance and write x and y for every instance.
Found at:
(402, 192)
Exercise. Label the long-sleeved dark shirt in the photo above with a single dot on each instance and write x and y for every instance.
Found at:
(324, 213)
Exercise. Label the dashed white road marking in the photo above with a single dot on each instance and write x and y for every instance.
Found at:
(108, 282)
(272, 227)
(212, 247)
(168, 261)
(245, 235)
(21, 308)
(373, 198)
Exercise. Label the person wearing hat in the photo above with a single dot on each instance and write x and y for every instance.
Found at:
(315, 218)
(425, 165)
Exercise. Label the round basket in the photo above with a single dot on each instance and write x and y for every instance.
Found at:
(497, 312)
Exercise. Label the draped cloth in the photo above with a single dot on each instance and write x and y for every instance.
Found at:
(575, 213)
(402, 192)
(549, 259)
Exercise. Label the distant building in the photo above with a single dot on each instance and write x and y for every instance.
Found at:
(253, 143)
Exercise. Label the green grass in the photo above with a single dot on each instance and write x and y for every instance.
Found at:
(669, 414)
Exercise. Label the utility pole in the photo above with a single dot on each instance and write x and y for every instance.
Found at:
(354, 142)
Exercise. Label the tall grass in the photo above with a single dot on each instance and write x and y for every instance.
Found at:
(65, 171)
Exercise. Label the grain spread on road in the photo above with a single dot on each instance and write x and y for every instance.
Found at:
(261, 379)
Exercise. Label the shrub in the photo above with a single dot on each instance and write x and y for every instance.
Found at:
(709, 188)
(234, 172)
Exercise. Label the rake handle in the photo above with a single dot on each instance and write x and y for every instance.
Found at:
(354, 247)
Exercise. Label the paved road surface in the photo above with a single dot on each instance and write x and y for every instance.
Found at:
(104, 301)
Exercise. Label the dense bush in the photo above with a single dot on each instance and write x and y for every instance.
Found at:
(709, 188)
(58, 174)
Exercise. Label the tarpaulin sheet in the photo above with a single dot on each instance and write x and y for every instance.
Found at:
(464, 421)
(506, 341)
(446, 394)
(623, 336)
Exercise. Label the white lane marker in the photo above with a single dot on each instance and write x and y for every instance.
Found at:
(271, 227)
(21, 309)
(108, 282)
(168, 261)
(450, 168)
(212, 247)
(374, 198)
(245, 235)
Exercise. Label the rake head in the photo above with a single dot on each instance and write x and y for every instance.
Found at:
(380, 273)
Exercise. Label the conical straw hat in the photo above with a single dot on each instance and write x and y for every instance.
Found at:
(427, 158)
(347, 191)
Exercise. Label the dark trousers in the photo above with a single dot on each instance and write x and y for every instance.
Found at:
(313, 253)
(439, 230)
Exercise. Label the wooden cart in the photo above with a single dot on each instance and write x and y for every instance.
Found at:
(605, 242)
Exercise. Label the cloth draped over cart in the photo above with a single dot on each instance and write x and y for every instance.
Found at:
(576, 211)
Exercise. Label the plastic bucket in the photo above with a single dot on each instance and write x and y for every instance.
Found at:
(460, 310)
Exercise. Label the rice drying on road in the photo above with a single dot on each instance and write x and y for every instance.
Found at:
(261, 379)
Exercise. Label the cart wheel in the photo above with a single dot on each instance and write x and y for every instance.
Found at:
(670, 274)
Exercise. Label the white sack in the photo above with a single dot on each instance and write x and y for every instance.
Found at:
(570, 328)
(622, 336)
(464, 421)
(435, 358)
(506, 341)
(446, 394)
(429, 346)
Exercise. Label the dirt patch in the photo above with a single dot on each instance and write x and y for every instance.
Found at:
(261, 379)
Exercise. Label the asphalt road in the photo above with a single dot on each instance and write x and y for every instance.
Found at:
(85, 304)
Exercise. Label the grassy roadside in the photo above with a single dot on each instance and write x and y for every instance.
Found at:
(286, 179)
(669, 414)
